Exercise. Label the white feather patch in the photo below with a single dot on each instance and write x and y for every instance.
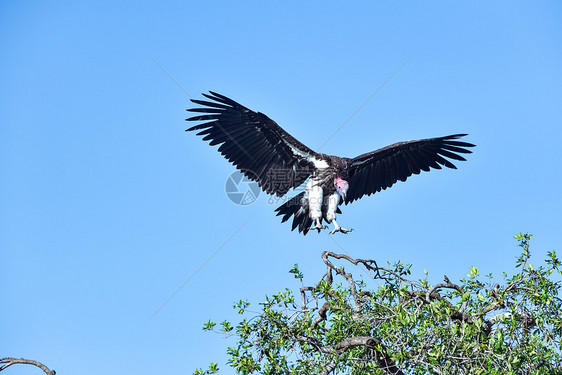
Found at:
(318, 163)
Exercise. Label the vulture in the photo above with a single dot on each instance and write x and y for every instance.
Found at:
(265, 153)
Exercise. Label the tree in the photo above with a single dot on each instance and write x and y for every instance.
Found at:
(389, 324)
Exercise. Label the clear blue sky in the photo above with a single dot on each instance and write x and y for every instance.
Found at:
(108, 206)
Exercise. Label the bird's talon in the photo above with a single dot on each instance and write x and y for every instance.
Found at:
(340, 229)
(319, 227)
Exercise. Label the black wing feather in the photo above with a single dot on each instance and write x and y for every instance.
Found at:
(375, 171)
(254, 143)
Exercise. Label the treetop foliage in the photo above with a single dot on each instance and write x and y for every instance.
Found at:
(389, 324)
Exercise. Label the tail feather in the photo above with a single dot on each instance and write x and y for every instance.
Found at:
(297, 207)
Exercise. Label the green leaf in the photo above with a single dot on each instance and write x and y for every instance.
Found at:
(209, 326)
(473, 272)
(296, 272)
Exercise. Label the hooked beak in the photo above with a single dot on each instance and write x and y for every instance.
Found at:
(343, 197)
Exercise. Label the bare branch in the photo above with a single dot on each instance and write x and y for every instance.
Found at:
(321, 314)
(303, 296)
(9, 361)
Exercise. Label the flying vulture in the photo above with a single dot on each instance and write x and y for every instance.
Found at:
(267, 154)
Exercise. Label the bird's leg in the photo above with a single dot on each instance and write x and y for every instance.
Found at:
(331, 210)
(318, 225)
(315, 205)
(337, 228)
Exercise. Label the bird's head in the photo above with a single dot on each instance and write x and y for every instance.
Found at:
(341, 186)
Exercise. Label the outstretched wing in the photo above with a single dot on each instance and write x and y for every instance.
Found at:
(375, 171)
(254, 143)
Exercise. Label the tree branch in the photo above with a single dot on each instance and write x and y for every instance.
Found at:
(8, 361)
(329, 368)
(459, 314)
(384, 361)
